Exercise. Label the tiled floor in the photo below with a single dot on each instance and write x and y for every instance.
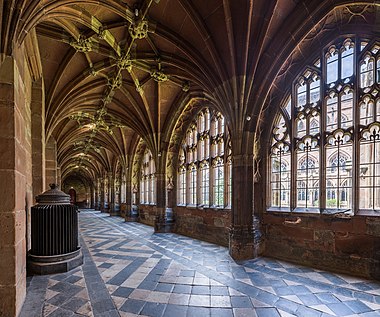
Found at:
(130, 271)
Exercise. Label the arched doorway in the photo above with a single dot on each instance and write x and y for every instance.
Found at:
(73, 196)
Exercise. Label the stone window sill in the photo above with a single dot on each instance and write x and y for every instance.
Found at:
(368, 213)
(338, 213)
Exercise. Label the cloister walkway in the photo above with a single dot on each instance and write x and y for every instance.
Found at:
(129, 271)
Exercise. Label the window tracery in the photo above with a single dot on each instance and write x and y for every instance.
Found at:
(148, 180)
(204, 173)
(328, 165)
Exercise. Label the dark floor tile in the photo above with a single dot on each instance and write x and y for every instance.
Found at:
(153, 309)
(198, 312)
(371, 314)
(241, 302)
(66, 288)
(287, 305)
(102, 306)
(357, 307)
(336, 280)
(175, 311)
(283, 291)
(73, 279)
(309, 299)
(304, 311)
(148, 285)
(60, 312)
(340, 309)
(299, 289)
(327, 298)
(111, 313)
(123, 291)
(74, 304)
(221, 312)
(59, 299)
(105, 265)
(182, 289)
(267, 298)
(58, 277)
(132, 306)
(164, 287)
(200, 290)
(268, 312)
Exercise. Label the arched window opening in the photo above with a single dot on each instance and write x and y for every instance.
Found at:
(148, 180)
(205, 163)
(325, 164)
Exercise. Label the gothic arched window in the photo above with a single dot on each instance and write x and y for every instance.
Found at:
(148, 180)
(207, 182)
(313, 171)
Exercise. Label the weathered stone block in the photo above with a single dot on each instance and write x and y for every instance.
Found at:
(7, 190)
(324, 240)
(361, 245)
(8, 301)
(373, 226)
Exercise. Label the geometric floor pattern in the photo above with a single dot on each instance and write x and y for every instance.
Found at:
(130, 271)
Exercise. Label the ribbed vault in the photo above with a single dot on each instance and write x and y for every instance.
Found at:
(117, 71)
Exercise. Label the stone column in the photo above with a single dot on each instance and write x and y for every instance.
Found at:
(38, 137)
(15, 183)
(102, 194)
(93, 197)
(98, 194)
(122, 189)
(241, 245)
(51, 162)
(159, 225)
(133, 200)
(59, 176)
(110, 192)
(117, 195)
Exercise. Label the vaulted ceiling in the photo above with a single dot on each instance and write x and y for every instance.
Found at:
(118, 70)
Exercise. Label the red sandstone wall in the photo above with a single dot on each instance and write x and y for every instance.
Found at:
(204, 224)
(15, 179)
(348, 245)
(147, 214)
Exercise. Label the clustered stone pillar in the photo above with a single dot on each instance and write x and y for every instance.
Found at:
(38, 144)
(15, 179)
(111, 194)
(98, 194)
(241, 245)
(117, 196)
(159, 225)
(38, 137)
(51, 162)
(102, 194)
(122, 196)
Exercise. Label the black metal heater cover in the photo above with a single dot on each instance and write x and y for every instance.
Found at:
(54, 234)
